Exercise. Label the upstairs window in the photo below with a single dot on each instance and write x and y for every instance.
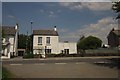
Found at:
(48, 40)
(7, 39)
(40, 40)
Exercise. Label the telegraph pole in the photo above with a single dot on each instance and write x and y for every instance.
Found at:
(27, 43)
(31, 22)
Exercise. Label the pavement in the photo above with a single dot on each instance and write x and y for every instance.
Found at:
(62, 58)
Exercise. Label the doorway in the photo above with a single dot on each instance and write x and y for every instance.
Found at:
(66, 51)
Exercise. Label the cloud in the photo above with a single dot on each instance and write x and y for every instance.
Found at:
(94, 6)
(71, 5)
(61, 30)
(97, 6)
(42, 11)
(87, 0)
(11, 16)
(69, 36)
(59, 11)
(52, 14)
(99, 29)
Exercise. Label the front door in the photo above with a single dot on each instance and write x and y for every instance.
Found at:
(66, 51)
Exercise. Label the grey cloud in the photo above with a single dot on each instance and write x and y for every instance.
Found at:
(94, 6)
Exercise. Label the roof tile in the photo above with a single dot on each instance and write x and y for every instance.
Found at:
(9, 30)
(45, 32)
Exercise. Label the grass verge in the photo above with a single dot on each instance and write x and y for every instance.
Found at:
(6, 74)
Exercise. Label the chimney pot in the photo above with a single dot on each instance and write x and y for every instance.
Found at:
(55, 29)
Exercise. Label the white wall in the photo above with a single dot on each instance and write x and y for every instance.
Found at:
(11, 40)
(53, 43)
(10, 47)
(71, 46)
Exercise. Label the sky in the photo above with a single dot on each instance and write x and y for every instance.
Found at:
(72, 19)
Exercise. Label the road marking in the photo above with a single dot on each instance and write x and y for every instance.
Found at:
(101, 62)
(80, 62)
(15, 64)
(39, 64)
(60, 63)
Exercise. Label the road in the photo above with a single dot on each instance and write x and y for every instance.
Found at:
(62, 68)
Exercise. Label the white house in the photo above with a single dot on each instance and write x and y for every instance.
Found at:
(9, 41)
(47, 42)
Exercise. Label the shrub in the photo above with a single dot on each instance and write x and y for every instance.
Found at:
(37, 56)
(28, 55)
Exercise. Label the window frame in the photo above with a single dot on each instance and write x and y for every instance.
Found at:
(47, 40)
(39, 40)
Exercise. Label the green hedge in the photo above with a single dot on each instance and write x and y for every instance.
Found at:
(63, 55)
(28, 55)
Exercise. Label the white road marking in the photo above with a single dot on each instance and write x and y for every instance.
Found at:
(60, 63)
(15, 64)
(101, 62)
(80, 62)
(39, 64)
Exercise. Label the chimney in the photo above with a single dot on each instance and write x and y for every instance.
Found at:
(113, 29)
(55, 29)
(16, 27)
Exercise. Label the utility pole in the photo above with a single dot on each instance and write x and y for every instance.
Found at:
(27, 42)
(31, 37)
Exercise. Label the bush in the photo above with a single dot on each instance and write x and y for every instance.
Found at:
(50, 55)
(63, 55)
(28, 55)
(37, 56)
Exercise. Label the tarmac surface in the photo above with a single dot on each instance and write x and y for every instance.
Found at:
(70, 67)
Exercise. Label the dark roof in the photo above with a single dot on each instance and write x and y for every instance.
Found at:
(117, 32)
(45, 32)
(9, 30)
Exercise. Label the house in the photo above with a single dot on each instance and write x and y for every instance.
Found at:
(47, 42)
(114, 38)
(9, 41)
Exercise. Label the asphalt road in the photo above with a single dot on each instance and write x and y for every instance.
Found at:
(62, 68)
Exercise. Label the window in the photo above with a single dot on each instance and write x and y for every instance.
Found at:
(48, 40)
(47, 51)
(7, 39)
(40, 51)
(40, 40)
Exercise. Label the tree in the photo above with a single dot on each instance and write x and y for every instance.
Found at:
(82, 37)
(89, 42)
(22, 39)
(25, 42)
(116, 8)
(30, 43)
(3, 36)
